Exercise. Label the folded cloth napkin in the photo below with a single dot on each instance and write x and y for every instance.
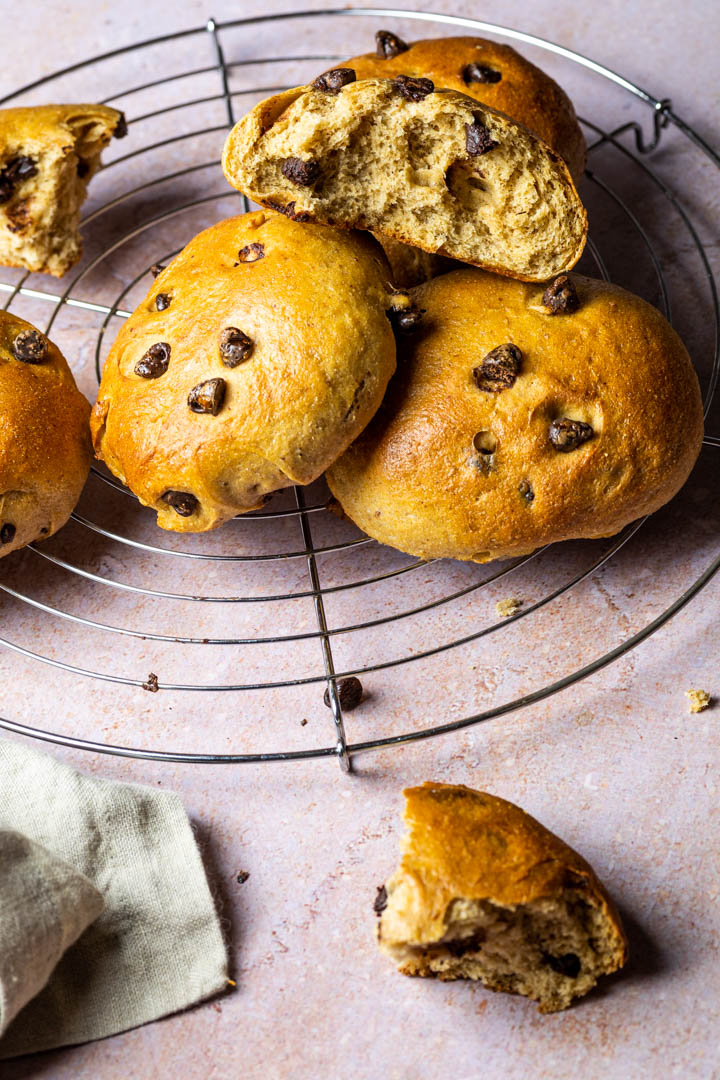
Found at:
(44, 907)
(157, 947)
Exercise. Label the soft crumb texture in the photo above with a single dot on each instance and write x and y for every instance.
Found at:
(48, 155)
(440, 172)
(521, 416)
(699, 700)
(485, 892)
(509, 606)
(256, 358)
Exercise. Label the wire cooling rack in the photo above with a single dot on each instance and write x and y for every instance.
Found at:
(305, 582)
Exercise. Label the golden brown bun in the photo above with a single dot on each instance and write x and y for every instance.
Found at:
(431, 168)
(312, 301)
(45, 449)
(523, 92)
(418, 479)
(485, 891)
(48, 155)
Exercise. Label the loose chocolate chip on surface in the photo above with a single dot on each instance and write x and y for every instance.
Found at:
(251, 253)
(182, 502)
(380, 901)
(526, 490)
(121, 128)
(406, 320)
(350, 692)
(480, 73)
(478, 139)
(151, 683)
(7, 533)
(300, 172)
(388, 45)
(30, 346)
(499, 369)
(561, 296)
(235, 347)
(207, 397)
(333, 81)
(156, 268)
(162, 301)
(17, 169)
(414, 89)
(567, 964)
(567, 435)
(154, 362)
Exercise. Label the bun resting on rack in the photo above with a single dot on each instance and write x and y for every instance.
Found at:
(45, 450)
(425, 166)
(256, 358)
(48, 155)
(484, 891)
(523, 415)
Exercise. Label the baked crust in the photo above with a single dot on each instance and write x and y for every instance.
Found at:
(417, 480)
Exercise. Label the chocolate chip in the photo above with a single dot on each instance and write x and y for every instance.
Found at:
(251, 253)
(388, 45)
(151, 683)
(561, 296)
(154, 362)
(235, 347)
(499, 369)
(414, 89)
(182, 502)
(207, 397)
(405, 320)
(121, 128)
(156, 268)
(83, 168)
(526, 490)
(567, 435)
(332, 82)
(7, 533)
(17, 170)
(465, 945)
(297, 171)
(350, 692)
(380, 901)
(30, 346)
(480, 73)
(568, 964)
(242, 876)
(478, 139)
(289, 210)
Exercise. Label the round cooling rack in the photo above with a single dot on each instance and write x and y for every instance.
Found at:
(293, 598)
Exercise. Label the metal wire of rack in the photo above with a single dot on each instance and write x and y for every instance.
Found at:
(319, 591)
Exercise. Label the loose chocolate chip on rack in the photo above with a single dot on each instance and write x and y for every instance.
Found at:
(480, 73)
(207, 397)
(297, 171)
(568, 964)
(350, 692)
(567, 435)
(526, 490)
(154, 362)
(121, 128)
(478, 140)
(151, 683)
(182, 502)
(333, 81)
(414, 89)
(235, 347)
(405, 320)
(388, 45)
(499, 369)
(156, 268)
(30, 346)
(17, 169)
(162, 301)
(380, 901)
(251, 253)
(561, 296)
(7, 533)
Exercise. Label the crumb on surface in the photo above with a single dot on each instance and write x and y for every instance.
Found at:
(303, 722)
(151, 684)
(242, 876)
(509, 606)
(699, 700)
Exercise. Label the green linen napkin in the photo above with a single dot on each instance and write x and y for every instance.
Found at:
(157, 947)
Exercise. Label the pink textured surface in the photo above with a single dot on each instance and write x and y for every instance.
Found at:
(615, 765)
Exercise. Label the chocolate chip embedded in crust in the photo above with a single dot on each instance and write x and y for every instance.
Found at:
(182, 502)
(332, 82)
(251, 253)
(121, 128)
(235, 347)
(388, 45)
(561, 296)
(154, 362)
(405, 316)
(380, 901)
(526, 490)
(478, 139)
(207, 397)
(15, 172)
(480, 73)
(568, 964)
(499, 369)
(350, 692)
(567, 435)
(297, 171)
(7, 533)
(156, 268)
(162, 301)
(30, 346)
(414, 89)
